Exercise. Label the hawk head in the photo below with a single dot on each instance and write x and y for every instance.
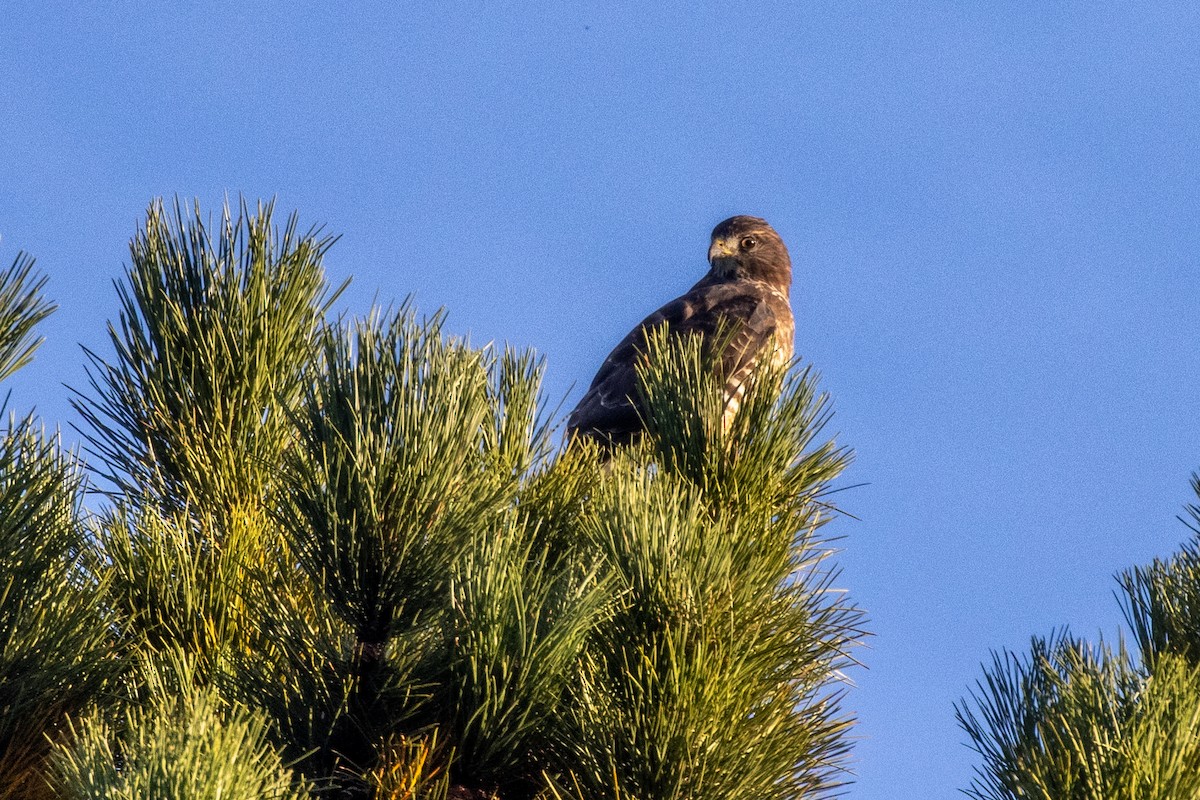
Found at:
(747, 247)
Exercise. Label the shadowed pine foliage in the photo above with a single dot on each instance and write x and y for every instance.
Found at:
(22, 307)
(1073, 721)
(519, 626)
(54, 645)
(409, 444)
(54, 649)
(395, 473)
(400, 502)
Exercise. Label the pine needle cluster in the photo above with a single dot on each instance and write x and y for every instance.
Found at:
(344, 557)
(1078, 721)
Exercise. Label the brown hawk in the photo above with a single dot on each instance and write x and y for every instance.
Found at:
(745, 292)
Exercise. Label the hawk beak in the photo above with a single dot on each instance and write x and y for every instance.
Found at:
(718, 250)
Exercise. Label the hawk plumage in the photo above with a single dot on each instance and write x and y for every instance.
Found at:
(744, 293)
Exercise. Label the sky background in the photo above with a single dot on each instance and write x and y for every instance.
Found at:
(992, 211)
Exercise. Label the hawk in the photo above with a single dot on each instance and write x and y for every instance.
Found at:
(745, 292)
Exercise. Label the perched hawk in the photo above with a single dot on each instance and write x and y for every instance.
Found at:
(746, 290)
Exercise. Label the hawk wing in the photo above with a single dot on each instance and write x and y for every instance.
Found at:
(761, 319)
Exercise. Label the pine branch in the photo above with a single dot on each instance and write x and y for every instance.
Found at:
(22, 307)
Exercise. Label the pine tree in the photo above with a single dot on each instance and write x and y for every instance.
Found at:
(1077, 721)
(344, 557)
(54, 652)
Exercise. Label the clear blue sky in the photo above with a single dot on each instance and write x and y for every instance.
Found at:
(992, 209)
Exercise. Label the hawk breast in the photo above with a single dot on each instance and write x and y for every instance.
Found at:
(758, 316)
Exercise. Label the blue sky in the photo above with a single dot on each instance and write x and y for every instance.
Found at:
(992, 211)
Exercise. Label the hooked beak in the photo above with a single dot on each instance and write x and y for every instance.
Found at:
(719, 249)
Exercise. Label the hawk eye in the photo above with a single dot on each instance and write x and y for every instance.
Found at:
(748, 243)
